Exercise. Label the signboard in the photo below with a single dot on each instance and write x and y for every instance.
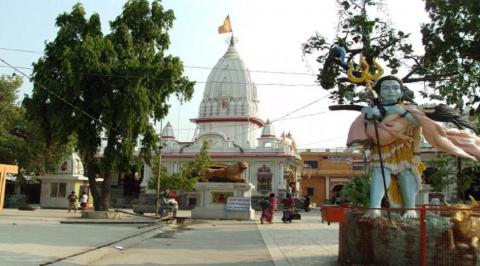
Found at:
(238, 204)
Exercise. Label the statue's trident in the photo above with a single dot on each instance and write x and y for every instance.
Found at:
(368, 78)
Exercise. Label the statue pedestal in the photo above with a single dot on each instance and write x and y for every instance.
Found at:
(212, 198)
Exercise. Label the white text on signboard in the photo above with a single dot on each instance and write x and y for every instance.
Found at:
(238, 204)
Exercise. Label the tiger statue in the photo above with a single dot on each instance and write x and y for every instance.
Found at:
(231, 173)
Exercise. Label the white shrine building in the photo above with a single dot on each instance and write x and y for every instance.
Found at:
(228, 120)
(69, 176)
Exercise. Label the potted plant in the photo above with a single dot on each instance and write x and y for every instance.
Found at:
(355, 193)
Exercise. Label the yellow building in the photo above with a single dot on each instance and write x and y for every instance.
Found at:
(326, 171)
(4, 170)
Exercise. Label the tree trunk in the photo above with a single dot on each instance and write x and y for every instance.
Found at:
(105, 196)
(92, 174)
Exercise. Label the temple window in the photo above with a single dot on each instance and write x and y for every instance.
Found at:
(58, 190)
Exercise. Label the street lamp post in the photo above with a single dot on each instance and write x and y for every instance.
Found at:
(159, 171)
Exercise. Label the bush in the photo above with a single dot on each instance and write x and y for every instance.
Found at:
(358, 191)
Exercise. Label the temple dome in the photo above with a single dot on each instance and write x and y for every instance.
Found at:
(268, 130)
(229, 90)
(230, 105)
(167, 132)
(71, 165)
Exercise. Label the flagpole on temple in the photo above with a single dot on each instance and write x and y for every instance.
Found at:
(226, 27)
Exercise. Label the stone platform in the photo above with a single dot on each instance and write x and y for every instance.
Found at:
(212, 198)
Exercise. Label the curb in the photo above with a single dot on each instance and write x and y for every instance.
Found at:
(108, 222)
(88, 256)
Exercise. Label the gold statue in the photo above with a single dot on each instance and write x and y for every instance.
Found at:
(465, 228)
(231, 173)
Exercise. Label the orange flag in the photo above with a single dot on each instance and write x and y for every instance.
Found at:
(226, 27)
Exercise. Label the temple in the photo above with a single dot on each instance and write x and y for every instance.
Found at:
(228, 120)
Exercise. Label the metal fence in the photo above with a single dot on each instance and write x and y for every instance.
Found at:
(440, 235)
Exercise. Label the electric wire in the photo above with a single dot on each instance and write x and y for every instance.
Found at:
(283, 117)
(194, 67)
(58, 96)
(200, 82)
(300, 108)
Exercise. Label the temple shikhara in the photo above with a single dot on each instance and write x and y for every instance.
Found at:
(228, 120)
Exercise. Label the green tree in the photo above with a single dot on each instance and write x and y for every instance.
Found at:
(171, 181)
(187, 178)
(21, 139)
(451, 41)
(465, 179)
(449, 67)
(359, 33)
(108, 87)
(452, 44)
(441, 172)
(11, 115)
(199, 164)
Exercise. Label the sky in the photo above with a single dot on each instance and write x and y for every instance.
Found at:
(269, 36)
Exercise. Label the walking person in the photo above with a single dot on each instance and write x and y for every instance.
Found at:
(306, 203)
(269, 213)
(288, 208)
(83, 201)
(72, 202)
(264, 204)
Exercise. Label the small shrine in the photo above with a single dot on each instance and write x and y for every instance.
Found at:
(224, 194)
(67, 177)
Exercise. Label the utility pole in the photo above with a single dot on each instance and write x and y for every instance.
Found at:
(159, 171)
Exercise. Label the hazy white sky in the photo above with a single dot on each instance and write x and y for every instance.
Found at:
(269, 32)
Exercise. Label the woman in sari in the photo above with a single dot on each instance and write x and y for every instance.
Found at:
(270, 211)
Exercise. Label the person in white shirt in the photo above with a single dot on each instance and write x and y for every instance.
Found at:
(83, 200)
(173, 205)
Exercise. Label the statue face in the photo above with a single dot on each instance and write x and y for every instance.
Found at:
(390, 91)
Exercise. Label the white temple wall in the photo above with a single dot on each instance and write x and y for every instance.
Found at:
(243, 134)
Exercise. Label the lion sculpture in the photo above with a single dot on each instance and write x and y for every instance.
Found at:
(232, 173)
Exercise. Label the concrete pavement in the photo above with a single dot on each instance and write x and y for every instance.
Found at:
(36, 238)
(304, 242)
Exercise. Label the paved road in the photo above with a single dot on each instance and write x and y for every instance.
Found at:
(207, 243)
(38, 237)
